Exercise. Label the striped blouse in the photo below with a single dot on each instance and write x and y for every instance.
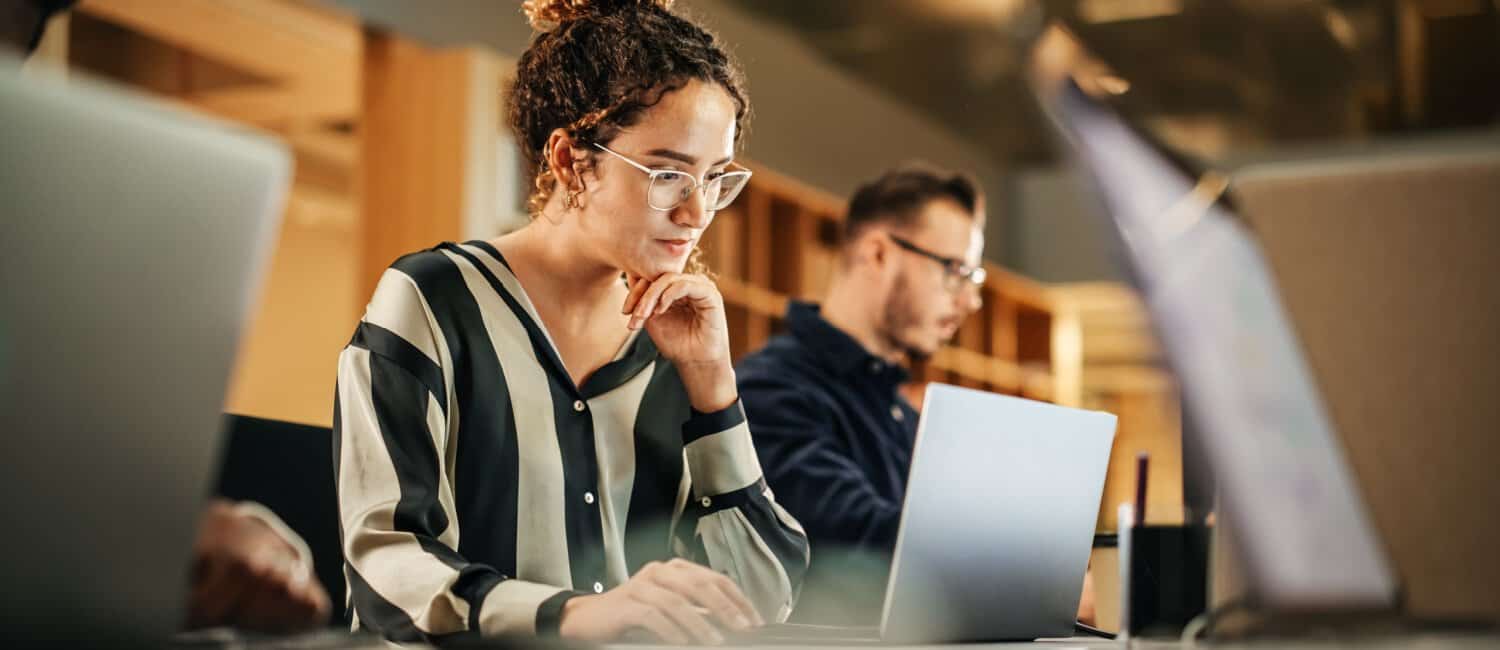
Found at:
(479, 488)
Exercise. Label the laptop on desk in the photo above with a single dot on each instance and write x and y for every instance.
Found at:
(996, 527)
(131, 245)
(1307, 541)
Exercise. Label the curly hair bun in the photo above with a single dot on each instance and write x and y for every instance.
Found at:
(547, 15)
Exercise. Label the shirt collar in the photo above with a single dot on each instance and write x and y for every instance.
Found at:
(639, 352)
(834, 347)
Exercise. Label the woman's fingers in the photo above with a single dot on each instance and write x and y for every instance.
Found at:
(681, 612)
(701, 585)
(678, 291)
(733, 593)
(647, 304)
(654, 297)
(638, 286)
(649, 617)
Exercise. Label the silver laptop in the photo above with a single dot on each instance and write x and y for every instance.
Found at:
(131, 245)
(996, 528)
(998, 520)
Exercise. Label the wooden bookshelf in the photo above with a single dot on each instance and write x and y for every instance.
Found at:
(394, 144)
(1123, 372)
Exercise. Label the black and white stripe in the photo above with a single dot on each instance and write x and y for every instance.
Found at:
(478, 486)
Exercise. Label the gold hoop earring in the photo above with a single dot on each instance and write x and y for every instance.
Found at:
(571, 200)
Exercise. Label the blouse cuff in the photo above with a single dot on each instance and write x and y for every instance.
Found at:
(720, 455)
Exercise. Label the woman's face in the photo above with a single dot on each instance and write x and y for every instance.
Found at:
(690, 130)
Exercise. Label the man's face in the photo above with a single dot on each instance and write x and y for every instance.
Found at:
(924, 308)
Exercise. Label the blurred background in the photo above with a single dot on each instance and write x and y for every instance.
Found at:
(394, 111)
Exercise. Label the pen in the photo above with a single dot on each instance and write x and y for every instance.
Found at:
(1142, 470)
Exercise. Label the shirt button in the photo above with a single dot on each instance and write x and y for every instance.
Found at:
(874, 367)
(588, 497)
(579, 406)
(896, 414)
(598, 588)
(706, 502)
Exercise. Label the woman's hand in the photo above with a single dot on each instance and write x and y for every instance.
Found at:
(676, 601)
(684, 315)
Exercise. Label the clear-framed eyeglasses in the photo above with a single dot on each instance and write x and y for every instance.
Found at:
(669, 188)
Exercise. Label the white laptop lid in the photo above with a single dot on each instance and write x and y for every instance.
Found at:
(998, 520)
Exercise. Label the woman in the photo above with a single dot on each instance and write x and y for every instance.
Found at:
(534, 432)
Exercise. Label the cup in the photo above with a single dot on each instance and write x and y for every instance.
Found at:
(1163, 576)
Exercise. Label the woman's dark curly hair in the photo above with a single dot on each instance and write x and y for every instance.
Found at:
(597, 65)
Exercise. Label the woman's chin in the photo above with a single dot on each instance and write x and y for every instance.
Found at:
(656, 267)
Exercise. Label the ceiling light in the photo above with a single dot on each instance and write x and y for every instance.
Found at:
(1112, 11)
(992, 12)
(1113, 84)
(1340, 28)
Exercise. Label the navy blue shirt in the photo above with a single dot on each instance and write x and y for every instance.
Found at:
(834, 438)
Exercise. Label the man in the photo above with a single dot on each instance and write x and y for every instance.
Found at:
(832, 430)
(249, 570)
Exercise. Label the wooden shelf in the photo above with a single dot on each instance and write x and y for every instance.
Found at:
(1122, 372)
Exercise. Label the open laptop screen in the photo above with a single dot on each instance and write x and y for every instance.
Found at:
(1248, 391)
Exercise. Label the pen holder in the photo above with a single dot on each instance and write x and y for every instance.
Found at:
(1163, 577)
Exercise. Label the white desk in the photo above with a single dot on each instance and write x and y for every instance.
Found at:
(1412, 642)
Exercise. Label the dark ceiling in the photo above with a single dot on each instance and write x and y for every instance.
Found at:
(1212, 77)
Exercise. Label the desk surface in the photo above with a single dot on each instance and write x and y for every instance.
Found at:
(1418, 642)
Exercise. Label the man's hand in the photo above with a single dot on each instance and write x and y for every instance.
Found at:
(677, 601)
(248, 576)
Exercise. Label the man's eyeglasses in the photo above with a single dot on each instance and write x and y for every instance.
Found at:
(669, 187)
(956, 274)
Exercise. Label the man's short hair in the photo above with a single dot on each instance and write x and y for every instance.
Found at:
(899, 196)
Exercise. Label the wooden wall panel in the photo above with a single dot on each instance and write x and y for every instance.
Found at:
(419, 129)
